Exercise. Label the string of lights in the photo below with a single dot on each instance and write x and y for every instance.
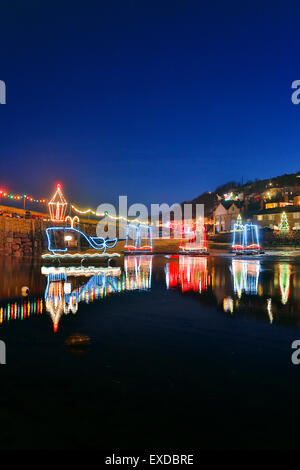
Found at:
(18, 197)
(106, 214)
(20, 310)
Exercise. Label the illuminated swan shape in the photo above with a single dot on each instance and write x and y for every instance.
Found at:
(69, 234)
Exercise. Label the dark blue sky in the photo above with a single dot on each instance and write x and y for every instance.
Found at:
(154, 99)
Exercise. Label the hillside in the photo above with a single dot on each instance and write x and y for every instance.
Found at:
(252, 190)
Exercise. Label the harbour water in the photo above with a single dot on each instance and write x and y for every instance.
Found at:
(158, 352)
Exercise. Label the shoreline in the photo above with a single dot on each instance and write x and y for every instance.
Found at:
(162, 247)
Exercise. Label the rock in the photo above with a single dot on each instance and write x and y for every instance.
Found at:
(25, 291)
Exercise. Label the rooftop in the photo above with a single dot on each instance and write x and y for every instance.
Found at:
(279, 210)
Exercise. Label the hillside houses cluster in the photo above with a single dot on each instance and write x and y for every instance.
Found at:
(264, 208)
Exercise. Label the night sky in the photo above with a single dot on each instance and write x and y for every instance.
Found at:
(154, 99)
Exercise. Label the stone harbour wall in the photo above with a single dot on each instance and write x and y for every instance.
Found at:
(21, 237)
(26, 238)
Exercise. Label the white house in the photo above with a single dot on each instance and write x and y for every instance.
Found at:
(225, 215)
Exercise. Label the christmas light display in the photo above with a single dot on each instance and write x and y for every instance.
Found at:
(18, 197)
(80, 271)
(284, 225)
(72, 220)
(251, 238)
(58, 205)
(106, 214)
(238, 233)
(197, 243)
(84, 212)
(228, 196)
(181, 229)
(136, 234)
(284, 281)
(245, 238)
(59, 237)
(80, 256)
(57, 301)
(61, 298)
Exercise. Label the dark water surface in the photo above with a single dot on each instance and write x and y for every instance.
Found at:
(181, 353)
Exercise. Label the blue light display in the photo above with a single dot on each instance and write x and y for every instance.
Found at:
(97, 243)
(140, 232)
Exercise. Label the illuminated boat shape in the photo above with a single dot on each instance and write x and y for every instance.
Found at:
(71, 243)
(238, 237)
(251, 244)
(246, 240)
(197, 245)
(138, 239)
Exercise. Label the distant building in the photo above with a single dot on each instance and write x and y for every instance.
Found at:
(272, 217)
(272, 205)
(297, 200)
(225, 215)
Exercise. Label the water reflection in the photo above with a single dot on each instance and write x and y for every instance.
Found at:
(138, 272)
(258, 288)
(14, 276)
(245, 276)
(190, 273)
(65, 289)
(63, 294)
(284, 281)
(228, 305)
(269, 310)
(20, 310)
